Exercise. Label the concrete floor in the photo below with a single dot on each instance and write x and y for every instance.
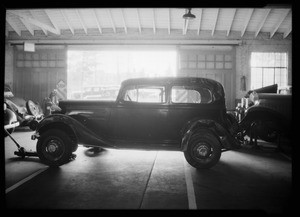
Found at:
(247, 179)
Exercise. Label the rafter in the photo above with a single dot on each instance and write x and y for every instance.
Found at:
(111, 20)
(52, 21)
(97, 21)
(81, 21)
(35, 22)
(27, 25)
(169, 21)
(32, 14)
(284, 15)
(247, 20)
(139, 21)
(231, 21)
(13, 25)
(124, 23)
(153, 21)
(267, 11)
(215, 22)
(67, 21)
(287, 32)
(200, 19)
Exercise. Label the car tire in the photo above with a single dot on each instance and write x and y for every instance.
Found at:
(54, 148)
(203, 150)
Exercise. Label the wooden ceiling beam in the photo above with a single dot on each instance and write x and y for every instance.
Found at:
(34, 17)
(97, 21)
(200, 19)
(111, 21)
(153, 21)
(247, 20)
(282, 18)
(13, 25)
(215, 22)
(81, 22)
(67, 21)
(231, 21)
(47, 12)
(287, 32)
(267, 11)
(124, 23)
(139, 21)
(35, 22)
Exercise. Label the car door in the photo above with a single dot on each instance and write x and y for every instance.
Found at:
(141, 116)
(187, 103)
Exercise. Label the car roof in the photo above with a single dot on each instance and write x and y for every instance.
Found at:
(170, 80)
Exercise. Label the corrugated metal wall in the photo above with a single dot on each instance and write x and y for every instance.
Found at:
(37, 73)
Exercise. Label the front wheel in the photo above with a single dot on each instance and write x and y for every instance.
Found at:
(54, 147)
(203, 150)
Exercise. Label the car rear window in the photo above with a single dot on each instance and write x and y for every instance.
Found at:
(191, 94)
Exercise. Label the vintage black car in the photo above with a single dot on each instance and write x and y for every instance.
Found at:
(183, 114)
(266, 113)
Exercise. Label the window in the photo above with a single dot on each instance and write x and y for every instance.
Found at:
(105, 67)
(146, 94)
(268, 69)
(188, 94)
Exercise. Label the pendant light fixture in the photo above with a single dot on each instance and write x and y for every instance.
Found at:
(189, 15)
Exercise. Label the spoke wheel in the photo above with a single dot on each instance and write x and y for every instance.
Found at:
(32, 108)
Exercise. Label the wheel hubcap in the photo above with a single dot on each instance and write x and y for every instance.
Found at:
(202, 150)
(52, 147)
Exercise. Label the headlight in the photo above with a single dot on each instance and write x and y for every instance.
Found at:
(5, 107)
(253, 97)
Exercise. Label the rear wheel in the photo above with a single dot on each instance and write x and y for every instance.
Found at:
(54, 147)
(203, 150)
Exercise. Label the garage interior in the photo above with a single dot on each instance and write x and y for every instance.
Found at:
(73, 50)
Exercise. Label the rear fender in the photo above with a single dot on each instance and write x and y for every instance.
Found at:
(227, 141)
(74, 127)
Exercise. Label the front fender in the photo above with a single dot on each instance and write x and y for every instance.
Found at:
(83, 134)
(263, 114)
(227, 141)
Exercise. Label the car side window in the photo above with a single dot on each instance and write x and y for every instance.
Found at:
(145, 94)
(191, 94)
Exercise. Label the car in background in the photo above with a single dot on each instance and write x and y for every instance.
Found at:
(101, 92)
(269, 109)
(28, 113)
(10, 120)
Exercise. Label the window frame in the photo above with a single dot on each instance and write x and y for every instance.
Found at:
(191, 87)
(137, 87)
(274, 68)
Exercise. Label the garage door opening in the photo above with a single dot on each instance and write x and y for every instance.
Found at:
(98, 74)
